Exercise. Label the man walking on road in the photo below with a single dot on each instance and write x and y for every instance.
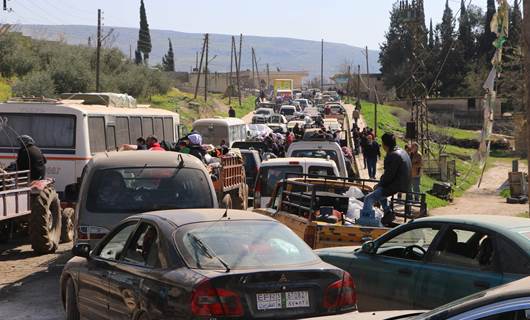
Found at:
(396, 178)
(231, 112)
(417, 162)
(372, 153)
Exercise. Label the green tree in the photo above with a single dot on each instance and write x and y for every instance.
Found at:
(511, 82)
(39, 84)
(168, 61)
(465, 35)
(431, 36)
(451, 76)
(144, 36)
(486, 48)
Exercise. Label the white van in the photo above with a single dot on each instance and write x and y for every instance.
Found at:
(214, 130)
(273, 170)
(319, 149)
(70, 132)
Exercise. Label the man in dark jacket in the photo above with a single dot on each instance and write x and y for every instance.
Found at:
(30, 158)
(371, 154)
(396, 178)
(231, 112)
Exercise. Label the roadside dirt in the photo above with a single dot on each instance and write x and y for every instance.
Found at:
(17, 261)
(486, 199)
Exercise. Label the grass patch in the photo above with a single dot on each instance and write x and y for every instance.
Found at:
(456, 133)
(505, 193)
(523, 215)
(393, 119)
(191, 109)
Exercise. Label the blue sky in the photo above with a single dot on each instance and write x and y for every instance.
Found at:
(354, 22)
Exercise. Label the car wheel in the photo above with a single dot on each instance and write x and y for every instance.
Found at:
(71, 309)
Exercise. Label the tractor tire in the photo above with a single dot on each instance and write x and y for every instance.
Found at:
(67, 225)
(45, 221)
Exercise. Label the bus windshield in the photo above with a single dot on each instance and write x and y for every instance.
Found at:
(48, 130)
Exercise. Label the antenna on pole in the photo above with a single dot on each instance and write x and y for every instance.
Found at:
(98, 51)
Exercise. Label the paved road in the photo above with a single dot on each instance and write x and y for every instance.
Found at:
(29, 283)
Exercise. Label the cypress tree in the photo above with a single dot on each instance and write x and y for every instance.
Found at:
(465, 35)
(168, 61)
(431, 36)
(486, 48)
(450, 77)
(144, 36)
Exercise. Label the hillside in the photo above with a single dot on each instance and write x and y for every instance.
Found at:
(284, 53)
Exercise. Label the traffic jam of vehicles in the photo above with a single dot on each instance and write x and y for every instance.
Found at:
(262, 220)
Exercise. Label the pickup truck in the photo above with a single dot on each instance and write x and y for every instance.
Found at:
(298, 200)
(320, 148)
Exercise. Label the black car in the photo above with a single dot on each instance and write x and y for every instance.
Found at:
(202, 264)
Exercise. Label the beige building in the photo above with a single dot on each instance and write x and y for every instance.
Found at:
(218, 82)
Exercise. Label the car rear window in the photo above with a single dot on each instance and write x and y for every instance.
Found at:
(287, 111)
(316, 153)
(135, 190)
(272, 175)
(321, 171)
(241, 244)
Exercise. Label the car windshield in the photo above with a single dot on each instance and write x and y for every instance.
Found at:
(135, 190)
(316, 153)
(263, 111)
(287, 111)
(241, 244)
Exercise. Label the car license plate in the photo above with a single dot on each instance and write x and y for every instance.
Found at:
(282, 300)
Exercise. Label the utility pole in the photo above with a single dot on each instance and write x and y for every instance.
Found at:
(268, 77)
(239, 68)
(322, 66)
(5, 5)
(253, 74)
(526, 34)
(130, 52)
(359, 82)
(206, 71)
(370, 91)
(237, 62)
(98, 49)
(257, 68)
(199, 69)
(196, 60)
(230, 87)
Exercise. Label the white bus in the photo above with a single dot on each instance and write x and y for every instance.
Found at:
(70, 132)
(214, 130)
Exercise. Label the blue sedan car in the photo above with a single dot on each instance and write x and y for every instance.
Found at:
(432, 261)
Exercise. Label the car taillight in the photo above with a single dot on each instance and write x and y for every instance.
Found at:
(340, 294)
(91, 232)
(215, 302)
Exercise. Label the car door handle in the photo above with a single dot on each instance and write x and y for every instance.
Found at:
(482, 284)
(405, 272)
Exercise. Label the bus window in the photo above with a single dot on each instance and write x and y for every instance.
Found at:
(111, 138)
(159, 129)
(48, 130)
(96, 134)
(168, 130)
(147, 126)
(135, 129)
(122, 131)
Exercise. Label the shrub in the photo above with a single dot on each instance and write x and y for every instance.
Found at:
(35, 84)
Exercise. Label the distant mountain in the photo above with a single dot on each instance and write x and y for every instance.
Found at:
(282, 53)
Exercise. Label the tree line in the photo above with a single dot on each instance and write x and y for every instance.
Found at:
(49, 68)
(453, 57)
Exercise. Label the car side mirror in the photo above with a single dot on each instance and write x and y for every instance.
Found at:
(368, 247)
(81, 250)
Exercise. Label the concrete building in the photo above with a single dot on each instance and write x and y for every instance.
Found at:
(460, 112)
(366, 85)
(218, 81)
